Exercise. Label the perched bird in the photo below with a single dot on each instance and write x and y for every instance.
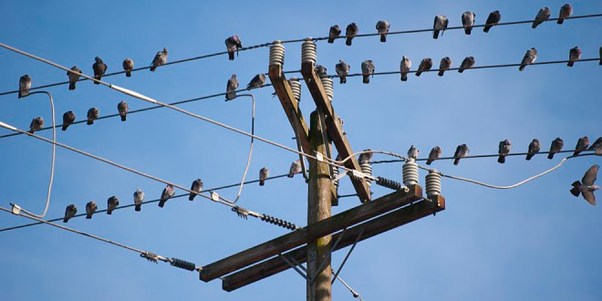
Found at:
(542, 15)
(586, 187)
(99, 68)
(365, 156)
(159, 59)
(70, 211)
(444, 65)
(382, 27)
(468, 21)
(25, 84)
(128, 66)
(461, 152)
(68, 119)
(36, 124)
(90, 209)
(138, 199)
(321, 71)
(112, 203)
(467, 63)
(233, 43)
(493, 19)
(92, 115)
(196, 186)
(167, 193)
(295, 168)
(533, 148)
(404, 66)
(342, 70)
(264, 173)
(565, 12)
(231, 87)
(350, 33)
(597, 146)
(73, 77)
(367, 71)
(333, 33)
(556, 146)
(528, 59)
(504, 150)
(425, 65)
(574, 55)
(413, 152)
(582, 144)
(257, 81)
(440, 25)
(433, 155)
(123, 108)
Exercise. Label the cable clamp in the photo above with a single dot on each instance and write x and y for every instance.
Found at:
(16, 209)
(214, 196)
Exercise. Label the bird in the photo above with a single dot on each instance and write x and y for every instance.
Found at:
(533, 148)
(231, 87)
(295, 168)
(574, 55)
(112, 203)
(321, 71)
(404, 66)
(367, 71)
(342, 70)
(123, 108)
(99, 68)
(70, 211)
(440, 25)
(565, 12)
(90, 209)
(138, 199)
(504, 150)
(73, 76)
(493, 19)
(528, 59)
(382, 27)
(425, 65)
(350, 32)
(582, 144)
(333, 33)
(586, 187)
(468, 21)
(413, 152)
(233, 43)
(365, 156)
(467, 63)
(196, 186)
(36, 124)
(433, 155)
(25, 84)
(257, 81)
(556, 146)
(264, 173)
(461, 152)
(159, 59)
(68, 119)
(128, 66)
(167, 193)
(597, 146)
(92, 115)
(542, 15)
(444, 65)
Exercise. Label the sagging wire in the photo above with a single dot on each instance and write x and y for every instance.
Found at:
(244, 175)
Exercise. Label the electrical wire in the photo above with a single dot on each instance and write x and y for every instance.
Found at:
(244, 175)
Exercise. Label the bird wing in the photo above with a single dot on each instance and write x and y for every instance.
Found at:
(590, 175)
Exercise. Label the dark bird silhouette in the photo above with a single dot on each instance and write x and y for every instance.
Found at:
(533, 148)
(440, 25)
(587, 187)
(461, 152)
(196, 186)
(112, 203)
(333, 33)
(493, 19)
(68, 119)
(92, 115)
(467, 63)
(159, 59)
(25, 84)
(99, 68)
(542, 15)
(128, 66)
(167, 193)
(556, 147)
(36, 124)
(574, 55)
(468, 19)
(73, 77)
(504, 150)
(233, 44)
(528, 59)
(350, 32)
(70, 211)
(382, 27)
(582, 144)
(433, 155)
(264, 173)
(565, 12)
(425, 65)
(90, 209)
(138, 199)
(123, 108)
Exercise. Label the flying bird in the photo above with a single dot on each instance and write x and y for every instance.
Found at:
(99, 68)
(73, 76)
(565, 12)
(196, 186)
(582, 144)
(36, 124)
(556, 147)
(68, 119)
(342, 70)
(533, 148)
(167, 193)
(350, 33)
(468, 21)
(413, 152)
(587, 187)
(92, 115)
(528, 59)
(295, 168)
(382, 27)
(425, 65)
(257, 81)
(444, 65)
(123, 108)
(233, 44)
(440, 25)
(461, 152)
(493, 19)
(367, 71)
(159, 59)
(231, 87)
(574, 55)
(70, 211)
(433, 155)
(333, 33)
(597, 146)
(542, 15)
(128, 66)
(112, 203)
(25, 84)
(467, 63)
(264, 173)
(138, 199)
(504, 150)
(90, 209)
(404, 67)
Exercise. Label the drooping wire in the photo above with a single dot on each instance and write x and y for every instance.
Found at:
(244, 175)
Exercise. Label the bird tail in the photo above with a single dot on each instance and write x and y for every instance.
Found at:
(429, 161)
(570, 63)
(231, 55)
(72, 86)
(522, 67)
(529, 156)
(468, 30)
(330, 40)
(461, 70)
(261, 182)
(161, 203)
(441, 72)
(501, 159)
(404, 77)
(551, 155)
(65, 220)
(383, 38)
(560, 20)
(486, 28)
(366, 79)
(128, 73)
(456, 161)
(191, 196)
(138, 207)
(348, 41)
(435, 34)
(418, 73)
(290, 175)
(88, 216)
(124, 117)
(342, 80)
(98, 78)
(534, 25)
(152, 68)
(110, 211)
(64, 128)
(90, 121)
(575, 190)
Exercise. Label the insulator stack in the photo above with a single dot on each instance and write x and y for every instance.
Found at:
(367, 169)
(278, 222)
(410, 173)
(334, 171)
(308, 51)
(295, 88)
(328, 87)
(276, 53)
(183, 264)
(388, 183)
(433, 183)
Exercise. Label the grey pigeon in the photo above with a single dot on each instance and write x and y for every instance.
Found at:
(36, 124)
(365, 157)
(433, 155)
(68, 119)
(167, 193)
(231, 87)
(159, 59)
(342, 70)
(112, 203)
(425, 65)
(257, 81)
(321, 71)
(264, 173)
(404, 67)
(533, 148)
(123, 108)
(574, 55)
(444, 65)
(556, 147)
(413, 152)
(382, 27)
(99, 68)
(196, 186)
(440, 25)
(493, 19)
(128, 66)
(90, 209)
(138, 199)
(295, 168)
(542, 15)
(461, 152)
(70, 211)
(73, 77)
(350, 32)
(233, 44)
(333, 33)
(528, 59)
(92, 115)
(504, 150)
(597, 146)
(565, 12)
(586, 187)
(367, 71)
(467, 63)
(582, 144)
(25, 84)
(468, 21)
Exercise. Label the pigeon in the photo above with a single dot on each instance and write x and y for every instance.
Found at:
(350, 33)
(36, 124)
(257, 81)
(582, 144)
(413, 152)
(138, 199)
(444, 65)
(565, 12)
(433, 155)
(70, 211)
(233, 43)
(68, 119)
(90, 209)
(264, 173)
(92, 115)
(574, 55)
(493, 19)
(382, 27)
(123, 108)
(25, 84)
(196, 186)
(533, 148)
(112, 203)
(586, 187)
(128, 66)
(99, 68)
(425, 65)
(556, 146)
(365, 156)
(295, 168)
(231, 87)
(528, 59)
(404, 67)
(159, 59)
(440, 25)
(321, 71)
(468, 21)
(467, 63)
(342, 70)
(73, 77)
(542, 15)
(167, 193)
(597, 146)
(461, 152)
(367, 70)
(504, 150)
(333, 33)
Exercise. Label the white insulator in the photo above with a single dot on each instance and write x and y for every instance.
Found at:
(410, 173)
(433, 184)
(308, 51)
(276, 53)
(367, 169)
(296, 88)
(328, 87)
(334, 170)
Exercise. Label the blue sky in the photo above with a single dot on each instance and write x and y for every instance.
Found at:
(533, 242)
